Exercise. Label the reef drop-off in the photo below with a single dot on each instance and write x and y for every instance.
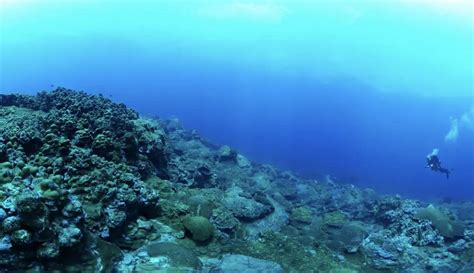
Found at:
(87, 185)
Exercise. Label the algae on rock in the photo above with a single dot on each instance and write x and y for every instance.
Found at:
(447, 227)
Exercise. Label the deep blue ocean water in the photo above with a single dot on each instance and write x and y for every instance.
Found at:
(361, 91)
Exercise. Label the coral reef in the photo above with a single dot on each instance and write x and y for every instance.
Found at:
(87, 185)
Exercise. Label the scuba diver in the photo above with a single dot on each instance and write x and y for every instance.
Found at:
(435, 164)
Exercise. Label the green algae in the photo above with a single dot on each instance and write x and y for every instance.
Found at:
(446, 226)
(200, 228)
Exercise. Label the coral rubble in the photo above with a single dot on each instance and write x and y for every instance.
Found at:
(87, 185)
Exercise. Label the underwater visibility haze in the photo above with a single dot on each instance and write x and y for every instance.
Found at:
(288, 136)
(360, 90)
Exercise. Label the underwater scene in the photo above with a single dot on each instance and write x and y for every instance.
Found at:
(235, 136)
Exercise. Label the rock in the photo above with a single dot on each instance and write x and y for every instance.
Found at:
(422, 233)
(203, 177)
(273, 222)
(335, 219)
(382, 252)
(178, 256)
(48, 251)
(244, 208)
(11, 224)
(5, 243)
(467, 268)
(6, 176)
(302, 215)
(105, 254)
(225, 153)
(116, 215)
(231, 263)
(224, 220)
(21, 237)
(70, 236)
(159, 257)
(458, 246)
(443, 262)
(3, 214)
(263, 182)
(30, 205)
(9, 204)
(243, 162)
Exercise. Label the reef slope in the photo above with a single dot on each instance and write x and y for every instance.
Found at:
(87, 185)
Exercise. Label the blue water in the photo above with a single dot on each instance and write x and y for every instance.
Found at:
(362, 90)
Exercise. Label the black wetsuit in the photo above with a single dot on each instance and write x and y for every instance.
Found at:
(435, 165)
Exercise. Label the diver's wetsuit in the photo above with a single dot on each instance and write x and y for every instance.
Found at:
(435, 165)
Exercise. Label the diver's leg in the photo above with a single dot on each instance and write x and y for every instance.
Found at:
(446, 171)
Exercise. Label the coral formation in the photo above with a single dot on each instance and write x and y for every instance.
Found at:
(200, 228)
(87, 185)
